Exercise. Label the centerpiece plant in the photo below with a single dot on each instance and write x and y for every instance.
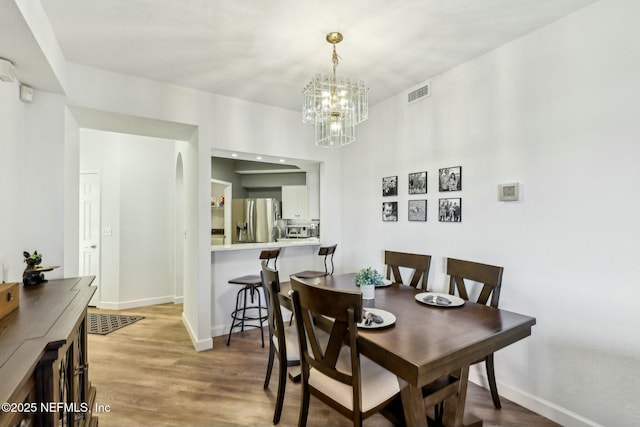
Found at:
(369, 276)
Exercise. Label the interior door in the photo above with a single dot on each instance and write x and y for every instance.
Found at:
(89, 263)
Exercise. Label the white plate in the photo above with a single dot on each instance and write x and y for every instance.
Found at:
(388, 318)
(439, 300)
(385, 283)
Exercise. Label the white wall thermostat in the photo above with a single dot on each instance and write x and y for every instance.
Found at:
(509, 192)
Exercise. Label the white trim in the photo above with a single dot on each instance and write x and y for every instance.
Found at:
(199, 345)
(547, 409)
(123, 305)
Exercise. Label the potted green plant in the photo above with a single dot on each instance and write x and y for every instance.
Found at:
(369, 276)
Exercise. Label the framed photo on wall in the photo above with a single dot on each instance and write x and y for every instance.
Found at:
(417, 210)
(390, 186)
(450, 179)
(450, 210)
(418, 183)
(390, 211)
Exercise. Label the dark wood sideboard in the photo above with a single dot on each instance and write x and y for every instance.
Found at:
(44, 376)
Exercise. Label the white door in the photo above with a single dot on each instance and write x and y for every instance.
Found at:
(90, 229)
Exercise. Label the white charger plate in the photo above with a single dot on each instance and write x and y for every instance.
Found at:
(439, 300)
(385, 283)
(388, 318)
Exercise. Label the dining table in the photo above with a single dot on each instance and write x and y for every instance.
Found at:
(427, 342)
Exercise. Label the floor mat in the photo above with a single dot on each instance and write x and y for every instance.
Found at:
(102, 324)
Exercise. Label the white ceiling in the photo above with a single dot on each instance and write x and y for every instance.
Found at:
(265, 51)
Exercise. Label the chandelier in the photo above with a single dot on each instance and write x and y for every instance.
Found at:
(334, 104)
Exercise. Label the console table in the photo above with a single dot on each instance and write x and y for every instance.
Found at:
(44, 376)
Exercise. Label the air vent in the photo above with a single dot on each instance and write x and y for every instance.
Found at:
(418, 94)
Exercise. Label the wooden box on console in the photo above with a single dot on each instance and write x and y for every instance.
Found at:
(9, 298)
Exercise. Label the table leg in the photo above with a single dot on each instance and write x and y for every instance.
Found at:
(412, 405)
(454, 405)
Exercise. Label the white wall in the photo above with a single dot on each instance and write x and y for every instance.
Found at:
(42, 196)
(31, 180)
(71, 191)
(100, 151)
(556, 111)
(11, 187)
(137, 184)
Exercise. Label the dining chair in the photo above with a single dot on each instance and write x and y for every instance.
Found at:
(327, 252)
(335, 373)
(490, 276)
(244, 312)
(418, 263)
(283, 340)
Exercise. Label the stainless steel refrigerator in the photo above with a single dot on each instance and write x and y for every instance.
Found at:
(254, 220)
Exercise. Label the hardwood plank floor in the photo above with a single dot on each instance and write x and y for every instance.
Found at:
(150, 375)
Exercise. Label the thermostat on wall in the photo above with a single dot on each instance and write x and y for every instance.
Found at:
(509, 192)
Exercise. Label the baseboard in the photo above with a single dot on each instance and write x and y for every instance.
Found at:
(540, 406)
(178, 300)
(123, 305)
(199, 345)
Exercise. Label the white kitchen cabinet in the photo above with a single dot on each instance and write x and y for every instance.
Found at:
(294, 202)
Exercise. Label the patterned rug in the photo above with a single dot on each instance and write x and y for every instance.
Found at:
(102, 324)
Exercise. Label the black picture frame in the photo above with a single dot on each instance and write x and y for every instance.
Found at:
(418, 183)
(450, 210)
(450, 179)
(417, 210)
(389, 211)
(390, 186)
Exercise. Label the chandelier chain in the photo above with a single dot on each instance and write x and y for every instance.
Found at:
(335, 58)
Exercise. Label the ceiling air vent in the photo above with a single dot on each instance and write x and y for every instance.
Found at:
(420, 93)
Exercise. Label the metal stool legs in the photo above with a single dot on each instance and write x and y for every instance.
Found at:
(240, 316)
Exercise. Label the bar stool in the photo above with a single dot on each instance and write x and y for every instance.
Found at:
(326, 251)
(246, 311)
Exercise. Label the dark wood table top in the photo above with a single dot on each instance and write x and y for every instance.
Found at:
(427, 342)
(46, 316)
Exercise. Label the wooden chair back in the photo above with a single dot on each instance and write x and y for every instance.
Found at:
(327, 251)
(271, 289)
(419, 263)
(283, 341)
(345, 307)
(271, 254)
(490, 276)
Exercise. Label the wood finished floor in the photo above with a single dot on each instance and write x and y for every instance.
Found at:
(150, 375)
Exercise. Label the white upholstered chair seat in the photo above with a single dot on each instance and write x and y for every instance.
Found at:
(378, 384)
(291, 337)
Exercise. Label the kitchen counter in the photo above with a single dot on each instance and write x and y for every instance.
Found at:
(281, 243)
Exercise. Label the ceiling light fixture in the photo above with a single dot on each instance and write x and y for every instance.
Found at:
(334, 104)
